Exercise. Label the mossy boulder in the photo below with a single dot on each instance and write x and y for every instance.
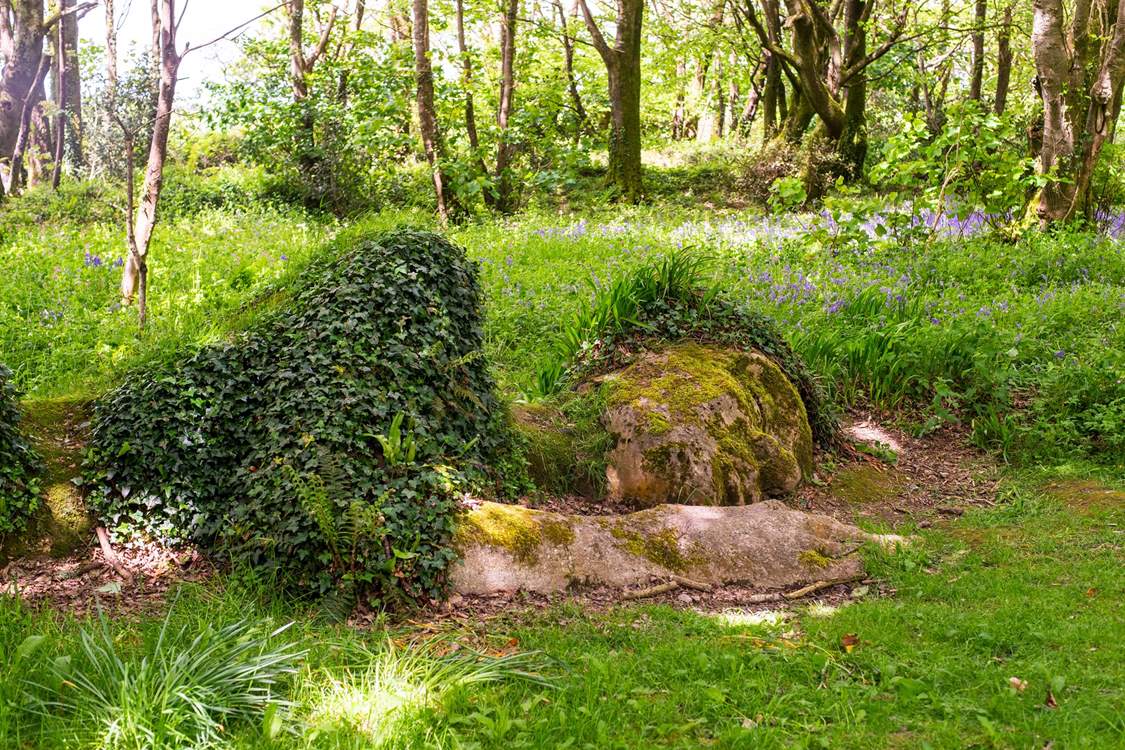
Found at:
(704, 425)
(768, 545)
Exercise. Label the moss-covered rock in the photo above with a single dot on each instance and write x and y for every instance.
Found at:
(504, 548)
(706, 426)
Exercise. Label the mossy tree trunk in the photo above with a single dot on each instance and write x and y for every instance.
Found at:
(1081, 70)
(623, 68)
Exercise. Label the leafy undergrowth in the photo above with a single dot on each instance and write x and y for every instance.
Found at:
(1005, 631)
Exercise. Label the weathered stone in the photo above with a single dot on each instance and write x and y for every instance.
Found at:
(768, 545)
(703, 425)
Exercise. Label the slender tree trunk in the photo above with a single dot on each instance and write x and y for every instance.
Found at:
(852, 141)
(70, 69)
(134, 279)
(769, 96)
(357, 24)
(301, 63)
(679, 112)
(470, 110)
(447, 205)
(504, 147)
(568, 61)
(1003, 61)
(976, 77)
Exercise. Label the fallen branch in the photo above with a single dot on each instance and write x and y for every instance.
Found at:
(663, 588)
(79, 571)
(111, 556)
(688, 583)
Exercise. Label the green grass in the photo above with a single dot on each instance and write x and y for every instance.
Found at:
(1029, 589)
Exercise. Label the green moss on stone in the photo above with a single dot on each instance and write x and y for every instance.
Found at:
(557, 532)
(814, 558)
(508, 527)
(661, 547)
(677, 387)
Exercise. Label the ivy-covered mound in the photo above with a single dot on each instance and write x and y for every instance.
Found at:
(19, 463)
(325, 443)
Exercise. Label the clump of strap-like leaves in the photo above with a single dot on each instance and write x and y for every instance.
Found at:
(326, 443)
(19, 463)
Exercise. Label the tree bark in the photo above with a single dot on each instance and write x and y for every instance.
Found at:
(447, 206)
(470, 109)
(21, 47)
(568, 61)
(976, 77)
(1003, 61)
(623, 69)
(301, 63)
(1080, 77)
(23, 135)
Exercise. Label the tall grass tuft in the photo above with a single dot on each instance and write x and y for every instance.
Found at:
(679, 276)
(185, 691)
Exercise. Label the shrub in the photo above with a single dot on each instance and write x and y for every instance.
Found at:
(19, 463)
(261, 446)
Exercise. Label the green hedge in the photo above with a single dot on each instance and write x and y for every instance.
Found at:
(19, 463)
(281, 447)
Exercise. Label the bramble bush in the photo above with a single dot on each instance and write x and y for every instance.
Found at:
(19, 463)
(357, 399)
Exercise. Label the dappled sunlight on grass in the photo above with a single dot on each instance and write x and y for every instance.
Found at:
(372, 703)
(748, 618)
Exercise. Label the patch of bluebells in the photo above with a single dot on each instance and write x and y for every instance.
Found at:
(95, 261)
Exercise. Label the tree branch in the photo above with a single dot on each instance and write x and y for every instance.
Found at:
(323, 42)
(595, 33)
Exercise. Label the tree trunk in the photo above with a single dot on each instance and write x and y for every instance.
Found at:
(447, 205)
(770, 96)
(1077, 117)
(623, 68)
(679, 112)
(504, 147)
(1003, 61)
(976, 77)
(134, 279)
(301, 63)
(23, 134)
(21, 47)
(467, 88)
